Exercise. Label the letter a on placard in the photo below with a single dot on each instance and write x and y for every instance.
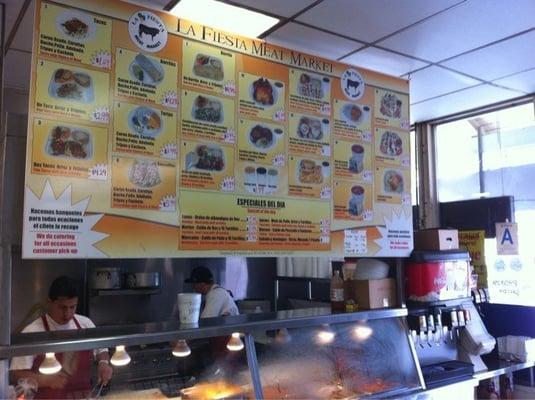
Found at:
(507, 238)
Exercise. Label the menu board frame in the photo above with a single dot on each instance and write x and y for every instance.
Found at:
(154, 136)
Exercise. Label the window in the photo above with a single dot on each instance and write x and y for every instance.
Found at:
(492, 155)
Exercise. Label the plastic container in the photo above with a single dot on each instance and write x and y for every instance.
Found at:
(438, 275)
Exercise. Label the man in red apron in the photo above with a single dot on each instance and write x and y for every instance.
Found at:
(74, 379)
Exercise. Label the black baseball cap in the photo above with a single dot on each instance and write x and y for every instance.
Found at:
(200, 275)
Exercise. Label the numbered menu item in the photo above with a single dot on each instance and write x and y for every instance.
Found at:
(353, 201)
(65, 91)
(67, 150)
(261, 97)
(392, 185)
(351, 119)
(392, 109)
(74, 35)
(261, 179)
(144, 130)
(208, 68)
(353, 160)
(309, 135)
(310, 92)
(309, 177)
(392, 147)
(207, 117)
(261, 142)
(207, 166)
(143, 184)
(142, 77)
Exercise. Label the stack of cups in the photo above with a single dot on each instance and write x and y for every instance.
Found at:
(189, 308)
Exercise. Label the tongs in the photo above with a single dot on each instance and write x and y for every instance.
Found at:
(95, 392)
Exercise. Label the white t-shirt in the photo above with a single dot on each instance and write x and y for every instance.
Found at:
(218, 303)
(26, 362)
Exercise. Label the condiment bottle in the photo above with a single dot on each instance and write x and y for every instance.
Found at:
(337, 292)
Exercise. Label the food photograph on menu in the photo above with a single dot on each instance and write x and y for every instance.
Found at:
(309, 134)
(392, 146)
(310, 92)
(66, 149)
(261, 179)
(353, 160)
(206, 165)
(351, 120)
(143, 77)
(75, 35)
(391, 109)
(353, 201)
(261, 97)
(392, 185)
(68, 91)
(208, 68)
(261, 142)
(140, 129)
(207, 117)
(143, 183)
(309, 177)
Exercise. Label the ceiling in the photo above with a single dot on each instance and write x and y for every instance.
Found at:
(457, 54)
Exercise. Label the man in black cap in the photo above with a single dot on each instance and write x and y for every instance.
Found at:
(218, 301)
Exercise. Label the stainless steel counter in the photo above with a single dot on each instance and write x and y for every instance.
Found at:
(128, 335)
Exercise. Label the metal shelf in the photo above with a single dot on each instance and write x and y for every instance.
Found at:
(302, 279)
(124, 292)
(129, 335)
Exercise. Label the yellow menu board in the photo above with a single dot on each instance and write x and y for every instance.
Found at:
(154, 136)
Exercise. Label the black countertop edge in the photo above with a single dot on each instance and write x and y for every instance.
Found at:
(168, 331)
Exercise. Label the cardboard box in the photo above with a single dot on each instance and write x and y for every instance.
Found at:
(436, 239)
(376, 293)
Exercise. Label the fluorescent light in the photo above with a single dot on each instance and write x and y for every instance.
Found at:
(224, 16)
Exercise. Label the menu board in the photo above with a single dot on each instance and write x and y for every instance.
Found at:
(154, 136)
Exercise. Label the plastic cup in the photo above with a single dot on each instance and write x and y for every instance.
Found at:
(189, 307)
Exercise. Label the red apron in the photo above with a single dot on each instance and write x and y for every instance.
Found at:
(79, 382)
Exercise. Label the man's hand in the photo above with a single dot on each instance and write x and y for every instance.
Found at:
(55, 381)
(104, 373)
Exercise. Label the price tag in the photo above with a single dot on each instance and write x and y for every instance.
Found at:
(325, 109)
(405, 124)
(367, 136)
(367, 176)
(279, 115)
(228, 184)
(169, 151)
(326, 150)
(101, 59)
(326, 192)
(252, 228)
(101, 114)
(325, 239)
(168, 203)
(99, 172)
(405, 161)
(229, 88)
(229, 136)
(279, 160)
(170, 99)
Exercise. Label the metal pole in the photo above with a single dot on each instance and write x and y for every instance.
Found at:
(252, 362)
(5, 253)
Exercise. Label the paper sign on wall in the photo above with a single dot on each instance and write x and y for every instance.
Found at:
(507, 238)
